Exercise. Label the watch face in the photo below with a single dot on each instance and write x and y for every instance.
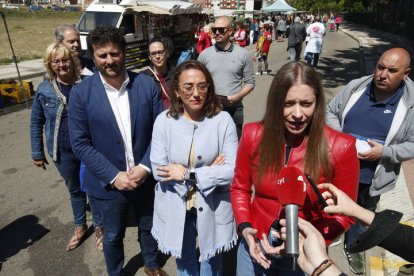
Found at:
(192, 175)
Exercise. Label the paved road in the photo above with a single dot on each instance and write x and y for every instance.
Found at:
(35, 214)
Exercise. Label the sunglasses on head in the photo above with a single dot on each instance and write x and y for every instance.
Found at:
(220, 30)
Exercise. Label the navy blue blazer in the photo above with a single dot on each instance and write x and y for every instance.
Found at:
(95, 136)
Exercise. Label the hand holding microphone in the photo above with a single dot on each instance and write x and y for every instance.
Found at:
(291, 189)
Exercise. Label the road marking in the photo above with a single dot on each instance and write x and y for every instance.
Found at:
(378, 265)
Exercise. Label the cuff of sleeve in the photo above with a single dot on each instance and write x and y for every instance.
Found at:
(243, 226)
(113, 180)
(145, 167)
(386, 152)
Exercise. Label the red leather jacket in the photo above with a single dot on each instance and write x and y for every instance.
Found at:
(265, 208)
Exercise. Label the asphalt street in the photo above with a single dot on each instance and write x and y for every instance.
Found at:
(35, 212)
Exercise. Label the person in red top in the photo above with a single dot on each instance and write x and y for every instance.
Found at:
(292, 133)
(262, 48)
(338, 21)
(240, 36)
(204, 40)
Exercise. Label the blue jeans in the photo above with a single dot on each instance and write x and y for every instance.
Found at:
(366, 201)
(96, 213)
(68, 166)
(188, 264)
(115, 213)
(279, 266)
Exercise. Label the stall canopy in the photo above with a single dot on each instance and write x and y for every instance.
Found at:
(164, 7)
(279, 6)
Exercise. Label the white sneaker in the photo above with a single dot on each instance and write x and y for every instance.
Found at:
(258, 73)
(264, 72)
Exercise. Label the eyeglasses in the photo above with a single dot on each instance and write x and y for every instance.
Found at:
(155, 53)
(220, 30)
(62, 61)
(188, 88)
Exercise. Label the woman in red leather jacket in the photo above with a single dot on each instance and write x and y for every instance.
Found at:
(292, 133)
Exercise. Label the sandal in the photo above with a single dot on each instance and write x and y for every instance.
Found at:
(99, 237)
(77, 237)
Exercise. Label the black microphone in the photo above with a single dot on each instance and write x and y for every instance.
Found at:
(291, 194)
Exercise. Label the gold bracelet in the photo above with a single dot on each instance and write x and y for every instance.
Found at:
(322, 267)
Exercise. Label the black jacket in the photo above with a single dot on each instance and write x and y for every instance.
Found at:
(386, 231)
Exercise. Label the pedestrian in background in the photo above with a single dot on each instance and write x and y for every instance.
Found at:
(193, 153)
(50, 112)
(292, 133)
(316, 32)
(232, 70)
(262, 50)
(240, 35)
(297, 34)
(378, 111)
(160, 70)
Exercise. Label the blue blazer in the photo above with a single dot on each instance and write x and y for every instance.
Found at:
(95, 136)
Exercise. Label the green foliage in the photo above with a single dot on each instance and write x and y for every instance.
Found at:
(326, 6)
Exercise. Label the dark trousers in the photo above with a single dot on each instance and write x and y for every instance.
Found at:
(366, 201)
(314, 57)
(115, 213)
(298, 49)
(236, 112)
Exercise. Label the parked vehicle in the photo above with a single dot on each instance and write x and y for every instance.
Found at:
(141, 21)
(36, 8)
(72, 8)
(10, 7)
(55, 8)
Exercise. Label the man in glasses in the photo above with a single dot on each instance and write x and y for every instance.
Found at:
(231, 68)
(159, 69)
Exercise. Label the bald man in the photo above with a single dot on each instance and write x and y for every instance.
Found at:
(231, 68)
(378, 111)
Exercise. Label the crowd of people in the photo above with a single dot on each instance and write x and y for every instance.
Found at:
(170, 142)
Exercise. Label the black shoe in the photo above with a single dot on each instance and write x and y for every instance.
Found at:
(356, 262)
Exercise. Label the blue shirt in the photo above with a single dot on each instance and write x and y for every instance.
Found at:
(371, 119)
(63, 138)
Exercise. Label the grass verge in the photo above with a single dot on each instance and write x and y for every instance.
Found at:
(30, 32)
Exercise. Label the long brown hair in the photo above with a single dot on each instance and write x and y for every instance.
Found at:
(271, 148)
(212, 105)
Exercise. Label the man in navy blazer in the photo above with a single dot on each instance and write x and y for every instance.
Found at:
(111, 116)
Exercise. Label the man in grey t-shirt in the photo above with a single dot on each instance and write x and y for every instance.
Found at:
(231, 68)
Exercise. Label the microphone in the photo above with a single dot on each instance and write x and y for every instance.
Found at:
(291, 190)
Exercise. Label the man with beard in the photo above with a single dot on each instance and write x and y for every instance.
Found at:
(111, 116)
(232, 70)
(378, 111)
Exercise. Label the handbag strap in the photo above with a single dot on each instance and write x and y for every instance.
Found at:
(162, 87)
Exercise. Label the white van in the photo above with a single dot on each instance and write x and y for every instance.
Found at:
(141, 21)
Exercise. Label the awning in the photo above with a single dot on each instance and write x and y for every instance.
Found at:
(163, 7)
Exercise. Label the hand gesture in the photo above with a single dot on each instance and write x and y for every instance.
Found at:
(41, 163)
(249, 234)
(219, 160)
(171, 172)
(138, 174)
(338, 201)
(123, 182)
(373, 154)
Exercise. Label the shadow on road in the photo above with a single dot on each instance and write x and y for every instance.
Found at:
(20, 234)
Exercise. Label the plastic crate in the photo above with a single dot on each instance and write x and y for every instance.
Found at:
(12, 92)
